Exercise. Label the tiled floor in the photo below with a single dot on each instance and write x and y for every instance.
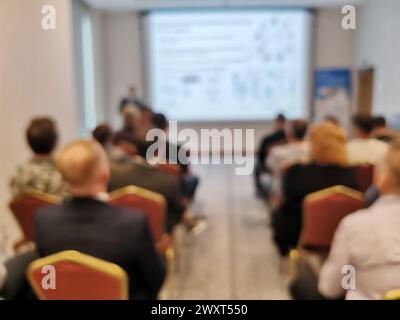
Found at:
(234, 258)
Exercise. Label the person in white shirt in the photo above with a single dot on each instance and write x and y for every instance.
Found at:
(364, 149)
(369, 242)
(281, 156)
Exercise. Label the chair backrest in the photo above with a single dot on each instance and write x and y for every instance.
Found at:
(392, 295)
(322, 213)
(170, 168)
(25, 206)
(365, 176)
(71, 275)
(151, 203)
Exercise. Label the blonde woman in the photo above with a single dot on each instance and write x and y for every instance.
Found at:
(328, 167)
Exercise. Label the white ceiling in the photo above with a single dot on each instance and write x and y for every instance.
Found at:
(152, 4)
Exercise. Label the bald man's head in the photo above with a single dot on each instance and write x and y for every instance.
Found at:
(84, 165)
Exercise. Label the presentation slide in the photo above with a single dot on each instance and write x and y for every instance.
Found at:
(229, 65)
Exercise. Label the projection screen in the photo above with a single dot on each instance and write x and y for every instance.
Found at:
(224, 65)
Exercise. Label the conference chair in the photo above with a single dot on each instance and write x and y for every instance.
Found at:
(392, 295)
(170, 168)
(71, 275)
(151, 203)
(24, 208)
(322, 212)
(365, 176)
(154, 206)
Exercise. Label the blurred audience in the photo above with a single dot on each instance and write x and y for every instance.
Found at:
(277, 137)
(86, 223)
(382, 131)
(363, 148)
(139, 172)
(368, 240)
(87, 170)
(145, 123)
(40, 172)
(103, 134)
(127, 137)
(281, 156)
(328, 167)
(171, 151)
(189, 182)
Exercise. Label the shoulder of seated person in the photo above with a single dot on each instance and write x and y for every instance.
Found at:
(299, 165)
(130, 214)
(49, 212)
(356, 219)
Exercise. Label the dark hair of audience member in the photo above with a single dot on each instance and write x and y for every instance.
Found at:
(42, 135)
(379, 122)
(160, 121)
(332, 119)
(102, 134)
(280, 117)
(363, 123)
(142, 146)
(299, 128)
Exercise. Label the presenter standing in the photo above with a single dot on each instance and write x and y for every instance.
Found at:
(131, 99)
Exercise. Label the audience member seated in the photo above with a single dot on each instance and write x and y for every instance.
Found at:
(103, 135)
(145, 123)
(86, 223)
(278, 136)
(328, 167)
(369, 241)
(381, 131)
(364, 149)
(40, 172)
(281, 156)
(139, 172)
(127, 136)
(171, 153)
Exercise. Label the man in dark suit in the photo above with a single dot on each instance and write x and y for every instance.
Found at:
(139, 172)
(88, 224)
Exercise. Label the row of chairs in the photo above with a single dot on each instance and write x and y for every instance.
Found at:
(74, 266)
(323, 210)
(79, 277)
(322, 213)
(25, 206)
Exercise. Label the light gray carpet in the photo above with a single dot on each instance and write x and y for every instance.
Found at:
(234, 258)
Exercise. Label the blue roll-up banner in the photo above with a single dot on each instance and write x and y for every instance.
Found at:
(332, 95)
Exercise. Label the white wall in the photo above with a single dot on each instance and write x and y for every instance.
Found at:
(379, 46)
(36, 78)
(81, 11)
(123, 58)
(334, 46)
(99, 49)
